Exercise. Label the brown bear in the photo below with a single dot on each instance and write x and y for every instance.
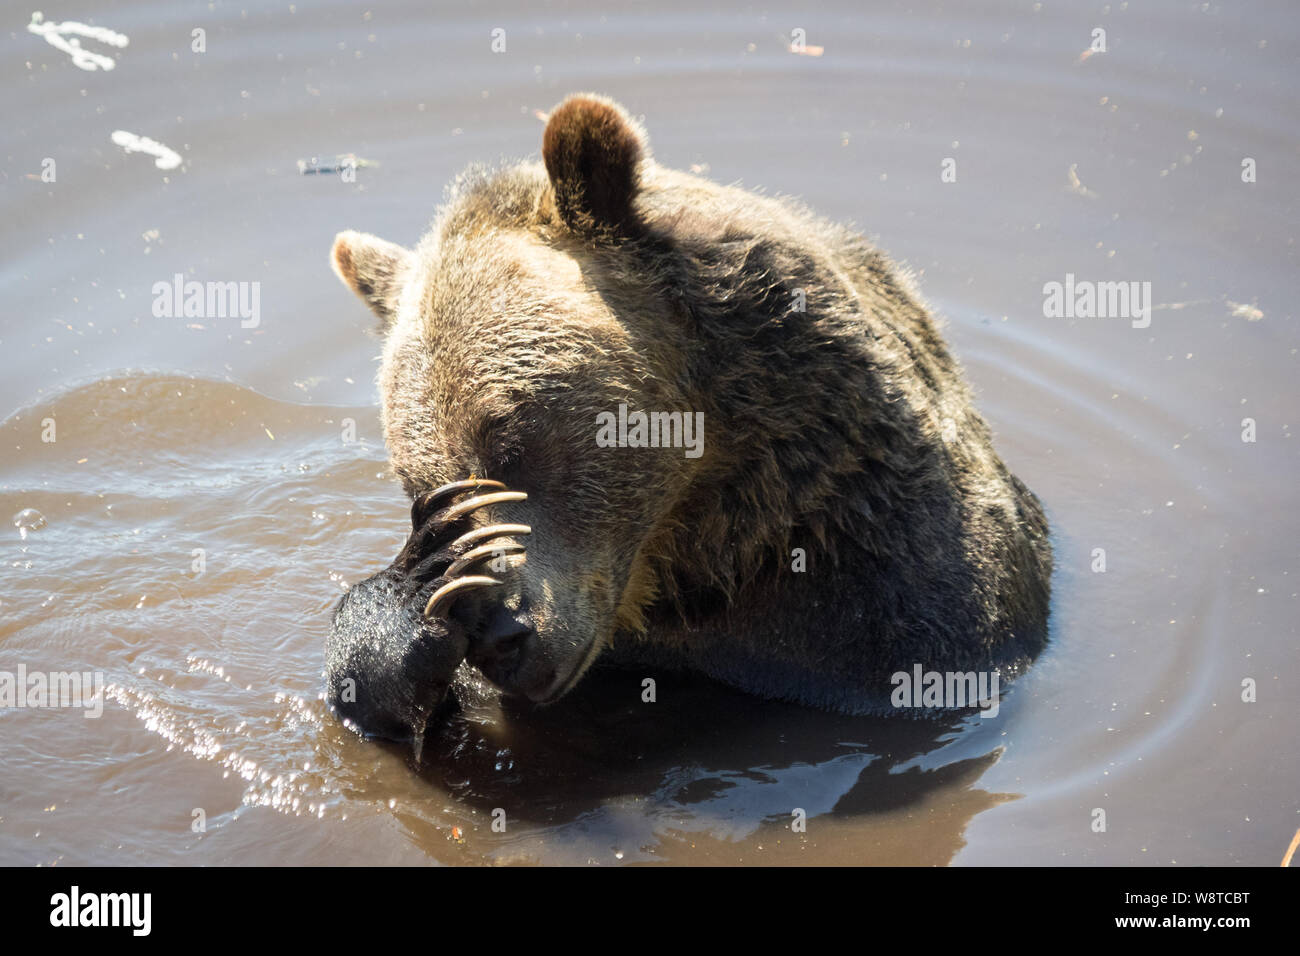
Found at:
(648, 417)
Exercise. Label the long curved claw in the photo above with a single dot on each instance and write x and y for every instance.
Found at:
(478, 535)
(453, 589)
(456, 487)
(481, 501)
(481, 553)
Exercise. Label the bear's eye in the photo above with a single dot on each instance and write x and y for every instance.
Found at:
(507, 467)
(510, 471)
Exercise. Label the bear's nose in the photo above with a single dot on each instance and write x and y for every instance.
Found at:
(500, 642)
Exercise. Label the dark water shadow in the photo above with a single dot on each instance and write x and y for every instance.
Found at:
(707, 764)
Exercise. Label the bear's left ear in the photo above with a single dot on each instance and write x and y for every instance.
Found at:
(373, 268)
(593, 150)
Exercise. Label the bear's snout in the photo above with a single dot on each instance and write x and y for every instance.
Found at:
(502, 645)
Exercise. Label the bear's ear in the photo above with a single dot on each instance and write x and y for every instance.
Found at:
(371, 267)
(593, 151)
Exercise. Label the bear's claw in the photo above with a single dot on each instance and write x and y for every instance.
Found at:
(489, 531)
(454, 488)
(443, 597)
(484, 551)
(481, 501)
(474, 545)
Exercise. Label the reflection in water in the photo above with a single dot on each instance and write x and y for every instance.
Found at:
(701, 763)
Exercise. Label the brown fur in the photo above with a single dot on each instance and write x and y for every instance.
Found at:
(544, 296)
(593, 151)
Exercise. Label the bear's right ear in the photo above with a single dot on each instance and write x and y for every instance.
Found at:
(373, 268)
(593, 150)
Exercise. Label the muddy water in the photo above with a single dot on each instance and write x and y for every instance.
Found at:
(201, 506)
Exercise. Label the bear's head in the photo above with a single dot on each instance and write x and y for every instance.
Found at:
(519, 335)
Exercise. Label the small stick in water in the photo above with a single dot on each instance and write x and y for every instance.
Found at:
(1290, 851)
